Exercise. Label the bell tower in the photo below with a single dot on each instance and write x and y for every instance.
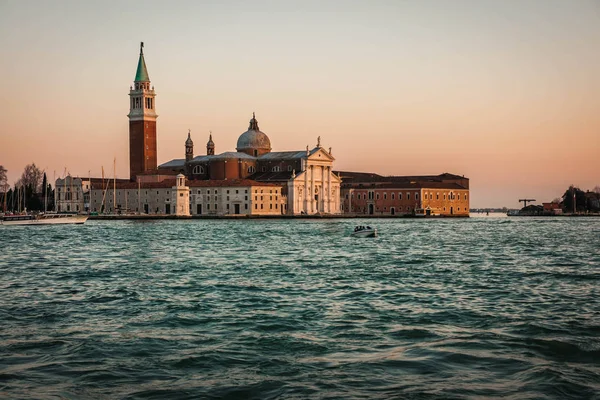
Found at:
(210, 146)
(142, 122)
(189, 147)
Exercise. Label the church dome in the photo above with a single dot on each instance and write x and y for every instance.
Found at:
(253, 138)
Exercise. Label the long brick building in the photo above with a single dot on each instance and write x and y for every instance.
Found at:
(372, 194)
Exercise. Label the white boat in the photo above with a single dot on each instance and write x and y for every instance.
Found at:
(43, 219)
(364, 231)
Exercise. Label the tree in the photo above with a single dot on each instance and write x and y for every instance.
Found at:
(44, 184)
(3, 178)
(580, 200)
(3, 185)
(596, 189)
(32, 177)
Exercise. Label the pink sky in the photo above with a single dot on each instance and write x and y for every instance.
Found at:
(505, 93)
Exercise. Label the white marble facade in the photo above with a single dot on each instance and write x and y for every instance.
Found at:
(315, 189)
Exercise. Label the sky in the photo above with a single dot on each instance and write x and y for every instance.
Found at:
(506, 93)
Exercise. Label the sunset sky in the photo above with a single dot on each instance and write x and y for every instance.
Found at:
(506, 93)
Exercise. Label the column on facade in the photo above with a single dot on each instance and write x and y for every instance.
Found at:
(349, 200)
(329, 190)
(305, 189)
(323, 196)
(312, 189)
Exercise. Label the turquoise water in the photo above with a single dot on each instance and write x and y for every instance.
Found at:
(440, 308)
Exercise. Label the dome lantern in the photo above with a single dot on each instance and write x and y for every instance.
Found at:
(253, 141)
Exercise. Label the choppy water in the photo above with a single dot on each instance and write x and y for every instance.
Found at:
(473, 308)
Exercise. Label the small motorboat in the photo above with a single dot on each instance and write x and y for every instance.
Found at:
(364, 231)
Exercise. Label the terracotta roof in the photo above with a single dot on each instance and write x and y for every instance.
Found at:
(169, 183)
(404, 185)
(352, 179)
(227, 182)
(282, 176)
(108, 184)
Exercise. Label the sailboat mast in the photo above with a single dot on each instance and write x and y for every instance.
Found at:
(115, 184)
(103, 191)
(5, 187)
(46, 196)
(70, 193)
(54, 181)
(65, 187)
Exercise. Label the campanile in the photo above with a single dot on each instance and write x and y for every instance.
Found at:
(142, 122)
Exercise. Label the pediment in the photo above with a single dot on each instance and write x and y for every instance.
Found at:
(319, 154)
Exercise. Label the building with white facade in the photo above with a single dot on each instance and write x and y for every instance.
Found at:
(305, 177)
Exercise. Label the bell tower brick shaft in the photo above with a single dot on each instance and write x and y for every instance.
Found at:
(142, 122)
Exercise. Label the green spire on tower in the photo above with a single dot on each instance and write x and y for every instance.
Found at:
(142, 72)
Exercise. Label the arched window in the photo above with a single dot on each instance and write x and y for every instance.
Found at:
(251, 169)
(276, 168)
(264, 169)
(289, 168)
(198, 169)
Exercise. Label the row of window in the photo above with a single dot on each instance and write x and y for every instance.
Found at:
(136, 102)
(216, 191)
(270, 198)
(208, 198)
(371, 195)
(199, 170)
(139, 86)
(216, 207)
(270, 191)
(228, 207)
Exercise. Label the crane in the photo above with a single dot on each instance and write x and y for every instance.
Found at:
(525, 201)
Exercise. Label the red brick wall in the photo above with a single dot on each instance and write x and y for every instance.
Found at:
(384, 200)
(142, 147)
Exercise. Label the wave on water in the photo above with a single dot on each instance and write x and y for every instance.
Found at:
(469, 308)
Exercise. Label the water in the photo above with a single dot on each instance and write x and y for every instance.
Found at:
(440, 308)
